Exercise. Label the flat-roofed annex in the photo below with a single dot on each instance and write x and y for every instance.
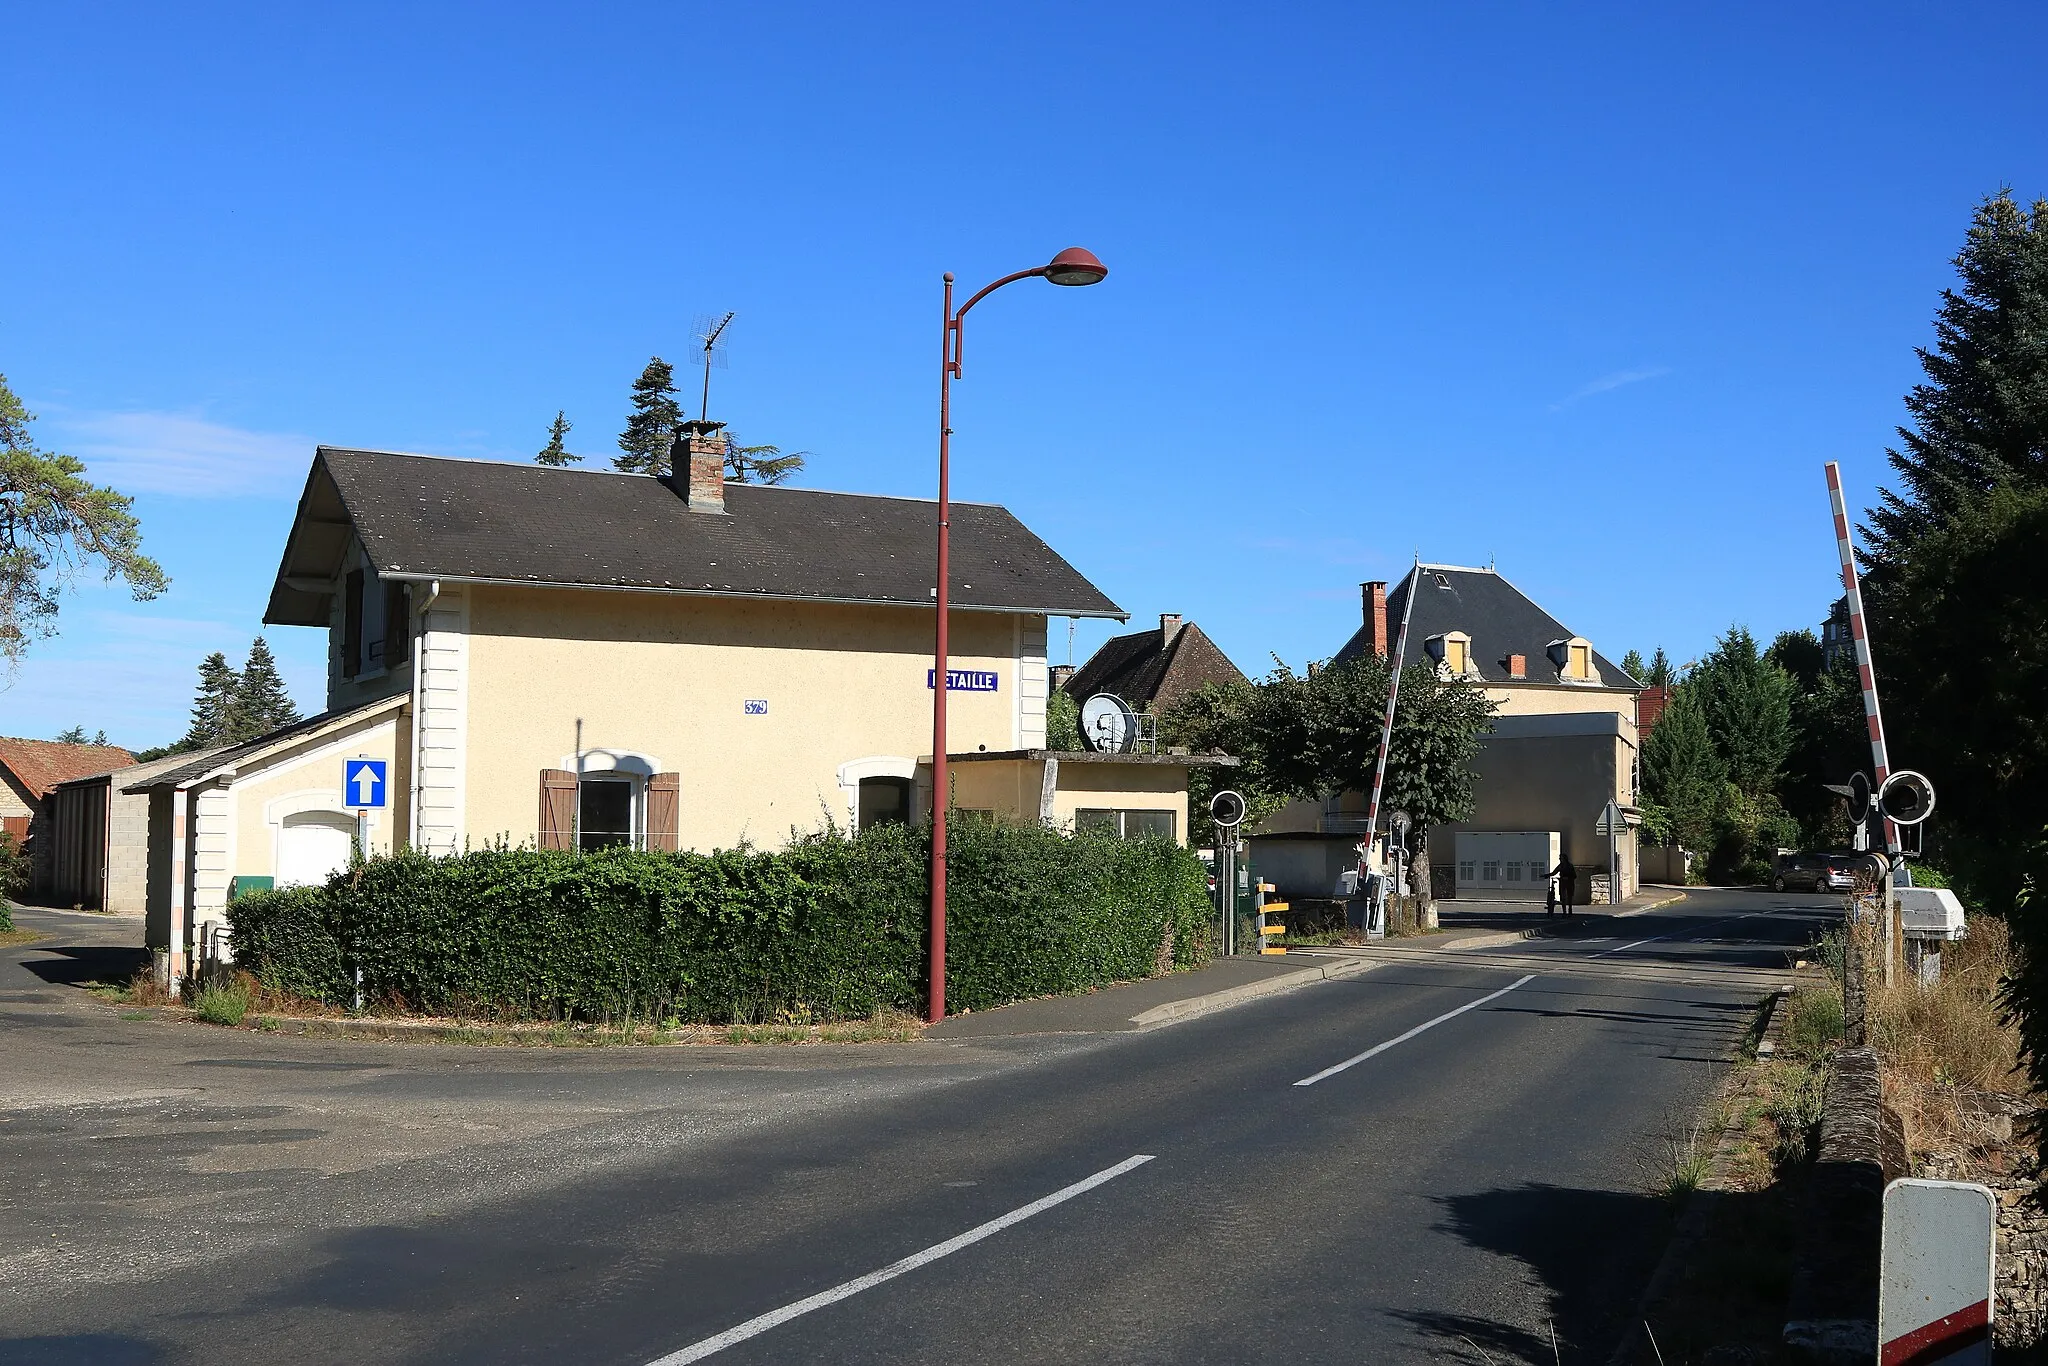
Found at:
(483, 521)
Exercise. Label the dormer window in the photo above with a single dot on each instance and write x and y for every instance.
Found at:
(1452, 652)
(1573, 660)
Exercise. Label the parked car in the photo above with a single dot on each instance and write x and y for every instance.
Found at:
(1813, 873)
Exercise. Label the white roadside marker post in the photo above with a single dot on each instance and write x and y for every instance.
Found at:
(1935, 1292)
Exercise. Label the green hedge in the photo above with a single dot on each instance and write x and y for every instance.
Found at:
(830, 927)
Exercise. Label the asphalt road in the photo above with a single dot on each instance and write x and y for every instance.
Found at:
(183, 1194)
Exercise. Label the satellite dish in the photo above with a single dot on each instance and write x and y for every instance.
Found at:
(1226, 808)
(1107, 726)
(1859, 795)
(1906, 798)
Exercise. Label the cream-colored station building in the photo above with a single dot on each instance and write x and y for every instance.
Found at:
(570, 658)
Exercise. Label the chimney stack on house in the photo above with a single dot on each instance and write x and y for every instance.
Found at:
(697, 465)
(1061, 675)
(1376, 615)
(1169, 627)
(1518, 666)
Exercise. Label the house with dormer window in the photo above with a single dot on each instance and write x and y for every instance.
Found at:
(1564, 742)
(573, 659)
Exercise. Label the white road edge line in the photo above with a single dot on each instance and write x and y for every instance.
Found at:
(754, 1327)
(1677, 934)
(1380, 1048)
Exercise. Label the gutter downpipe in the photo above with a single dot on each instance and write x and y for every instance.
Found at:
(419, 674)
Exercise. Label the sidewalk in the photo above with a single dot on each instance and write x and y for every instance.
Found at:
(1156, 1001)
(1516, 915)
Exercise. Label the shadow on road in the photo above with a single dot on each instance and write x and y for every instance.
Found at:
(1592, 1251)
(81, 1349)
(79, 965)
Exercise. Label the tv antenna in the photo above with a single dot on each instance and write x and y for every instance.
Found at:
(708, 330)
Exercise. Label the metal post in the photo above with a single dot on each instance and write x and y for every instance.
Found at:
(935, 995)
(950, 335)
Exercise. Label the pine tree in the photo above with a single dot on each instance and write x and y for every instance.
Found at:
(1681, 772)
(77, 736)
(555, 453)
(652, 425)
(761, 464)
(1632, 664)
(53, 523)
(1747, 700)
(1660, 675)
(1981, 419)
(262, 703)
(213, 706)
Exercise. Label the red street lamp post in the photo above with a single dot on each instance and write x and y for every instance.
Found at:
(1071, 267)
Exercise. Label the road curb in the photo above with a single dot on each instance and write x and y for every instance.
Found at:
(1175, 1011)
(1654, 905)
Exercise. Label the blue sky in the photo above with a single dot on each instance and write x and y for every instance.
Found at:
(1589, 291)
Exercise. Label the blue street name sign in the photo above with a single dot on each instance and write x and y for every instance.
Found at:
(362, 782)
(966, 680)
(756, 706)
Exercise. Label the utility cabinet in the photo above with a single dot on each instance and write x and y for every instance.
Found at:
(1506, 865)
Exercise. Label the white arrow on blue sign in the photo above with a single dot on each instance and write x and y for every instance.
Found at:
(363, 782)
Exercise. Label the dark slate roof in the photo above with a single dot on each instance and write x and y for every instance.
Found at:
(1498, 616)
(227, 756)
(433, 517)
(1145, 668)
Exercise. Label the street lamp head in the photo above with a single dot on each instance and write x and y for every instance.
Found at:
(1076, 266)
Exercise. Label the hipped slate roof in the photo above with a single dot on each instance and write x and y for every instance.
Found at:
(1499, 617)
(428, 517)
(1146, 668)
(39, 765)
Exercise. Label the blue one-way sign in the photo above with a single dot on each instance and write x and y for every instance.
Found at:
(362, 782)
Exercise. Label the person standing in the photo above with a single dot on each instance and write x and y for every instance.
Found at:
(1567, 883)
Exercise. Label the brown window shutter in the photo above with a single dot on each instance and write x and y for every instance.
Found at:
(397, 627)
(352, 624)
(557, 809)
(664, 812)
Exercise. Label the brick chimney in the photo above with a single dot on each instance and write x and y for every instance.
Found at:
(1169, 627)
(1518, 666)
(697, 466)
(1061, 674)
(1376, 616)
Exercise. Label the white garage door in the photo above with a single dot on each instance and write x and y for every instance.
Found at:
(313, 847)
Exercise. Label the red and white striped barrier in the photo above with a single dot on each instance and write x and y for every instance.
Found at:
(1880, 763)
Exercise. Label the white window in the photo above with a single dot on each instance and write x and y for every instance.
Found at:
(1126, 825)
(1490, 870)
(1465, 870)
(1514, 873)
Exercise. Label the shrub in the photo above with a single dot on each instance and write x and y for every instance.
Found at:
(13, 876)
(224, 1003)
(829, 928)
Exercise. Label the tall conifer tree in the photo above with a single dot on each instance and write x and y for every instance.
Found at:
(213, 705)
(262, 703)
(651, 426)
(555, 453)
